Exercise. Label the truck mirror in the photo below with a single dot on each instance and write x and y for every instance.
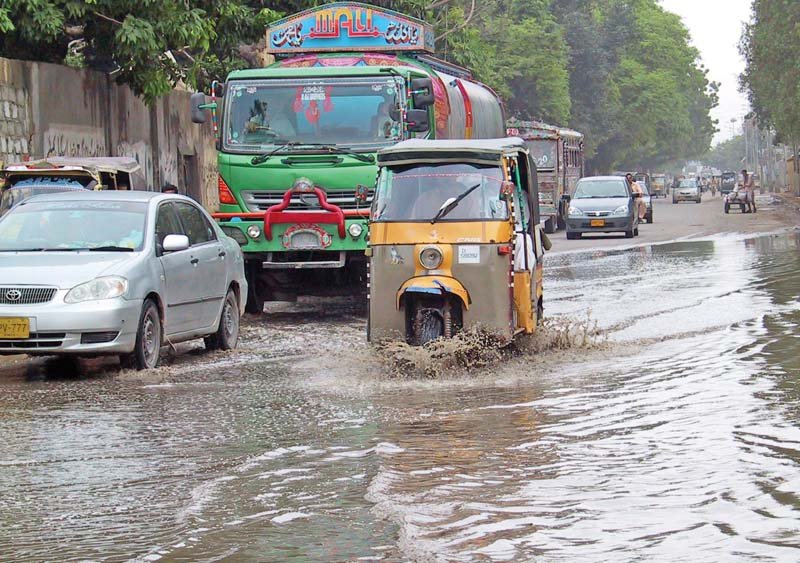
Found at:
(219, 89)
(422, 92)
(196, 102)
(417, 120)
(394, 113)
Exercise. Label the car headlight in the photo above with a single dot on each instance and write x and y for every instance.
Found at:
(99, 288)
(355, 230)
(254, 231)
(621, 210)
(430, 258)
(574, 211)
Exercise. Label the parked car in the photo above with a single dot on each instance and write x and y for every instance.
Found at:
(648, 217)
(687, 190)
(64, 174)
(602, 204)
(116, 272)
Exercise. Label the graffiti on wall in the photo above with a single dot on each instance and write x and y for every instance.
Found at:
(143, 154)
(74, 140)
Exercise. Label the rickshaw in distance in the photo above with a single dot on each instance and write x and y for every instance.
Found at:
(455, 241)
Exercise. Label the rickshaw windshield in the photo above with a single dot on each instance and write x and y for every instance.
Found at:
(417, 192)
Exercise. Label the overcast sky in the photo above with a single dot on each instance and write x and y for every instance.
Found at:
(716, 26)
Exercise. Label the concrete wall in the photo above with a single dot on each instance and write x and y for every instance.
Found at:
(52, 110)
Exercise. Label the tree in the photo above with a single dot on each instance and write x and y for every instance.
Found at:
(727, 155)
(151, 45)
(770, 45)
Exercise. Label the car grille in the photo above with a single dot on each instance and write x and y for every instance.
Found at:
(598, 213)
(36, 341)
(25, 295)
(262, 200)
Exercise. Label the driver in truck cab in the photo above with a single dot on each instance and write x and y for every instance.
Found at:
(259, 121)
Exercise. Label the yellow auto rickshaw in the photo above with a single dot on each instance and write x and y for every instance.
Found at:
(455, 240)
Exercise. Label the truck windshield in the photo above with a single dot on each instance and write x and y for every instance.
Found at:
(543, 153)
(340, 111)
(416, 193)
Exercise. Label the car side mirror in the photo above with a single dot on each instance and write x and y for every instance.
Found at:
(422, 92)
(196, 101)
(417, 120)
(175, 243)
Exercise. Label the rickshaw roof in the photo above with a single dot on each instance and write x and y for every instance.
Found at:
(424, 150)
(93, 165)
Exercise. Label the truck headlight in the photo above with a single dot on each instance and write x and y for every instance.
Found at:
(430, 258)
(107, 287)
(355, 230)
(254, 231)
(574, 211)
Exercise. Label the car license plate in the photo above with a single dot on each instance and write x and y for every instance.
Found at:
(14, 327)
(598, 222)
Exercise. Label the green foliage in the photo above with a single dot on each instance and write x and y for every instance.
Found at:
(771, 47)
(638, 92)
(728, 155)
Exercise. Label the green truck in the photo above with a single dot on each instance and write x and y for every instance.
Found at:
(297, 140)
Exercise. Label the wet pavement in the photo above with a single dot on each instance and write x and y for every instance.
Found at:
(673, 437)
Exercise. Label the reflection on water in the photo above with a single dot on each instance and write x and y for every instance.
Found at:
(680, 442)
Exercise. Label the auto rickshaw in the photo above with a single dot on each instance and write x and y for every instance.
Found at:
(455, 240)
(59, 174)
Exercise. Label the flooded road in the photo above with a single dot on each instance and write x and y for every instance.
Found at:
(674, 438)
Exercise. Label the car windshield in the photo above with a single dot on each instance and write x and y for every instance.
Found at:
(24, 188)
(589, 189)
(543, 153)
(343, 111)
(417, 192)
(688, 184)
(73, 225)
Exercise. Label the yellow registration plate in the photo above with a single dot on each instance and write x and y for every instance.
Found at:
(598, 222)
(14, 327)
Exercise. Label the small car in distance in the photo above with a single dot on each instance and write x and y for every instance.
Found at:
(687, 190)
(602, 204)
(116, 273)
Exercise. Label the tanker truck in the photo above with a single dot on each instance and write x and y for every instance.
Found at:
(297, 140)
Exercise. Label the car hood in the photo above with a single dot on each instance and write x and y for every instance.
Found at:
(64, 270)
(600, 204)
(688, 189)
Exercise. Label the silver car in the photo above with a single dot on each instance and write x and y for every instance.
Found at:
(687, 190)
(116, 272)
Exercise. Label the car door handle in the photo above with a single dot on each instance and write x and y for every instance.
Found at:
(221, 254)
(194, 261)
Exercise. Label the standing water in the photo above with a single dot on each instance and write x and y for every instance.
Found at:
(675, 439)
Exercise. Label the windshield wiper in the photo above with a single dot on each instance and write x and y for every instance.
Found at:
(262, 158)
(451, 204)
(368, 158)
(109, 248)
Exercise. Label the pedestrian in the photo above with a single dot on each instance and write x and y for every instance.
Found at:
(749, 191)
(638, 202)
(169, 189)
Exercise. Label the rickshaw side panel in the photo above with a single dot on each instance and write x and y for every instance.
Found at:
(395, 265)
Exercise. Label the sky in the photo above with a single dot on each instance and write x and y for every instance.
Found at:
(715, 27)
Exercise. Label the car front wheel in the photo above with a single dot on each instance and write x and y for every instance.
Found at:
(147, 350)
(227, 335)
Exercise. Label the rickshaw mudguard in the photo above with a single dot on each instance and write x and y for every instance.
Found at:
(434, 285)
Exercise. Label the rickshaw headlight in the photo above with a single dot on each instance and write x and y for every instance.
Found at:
(355, 230)
(430, 258)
